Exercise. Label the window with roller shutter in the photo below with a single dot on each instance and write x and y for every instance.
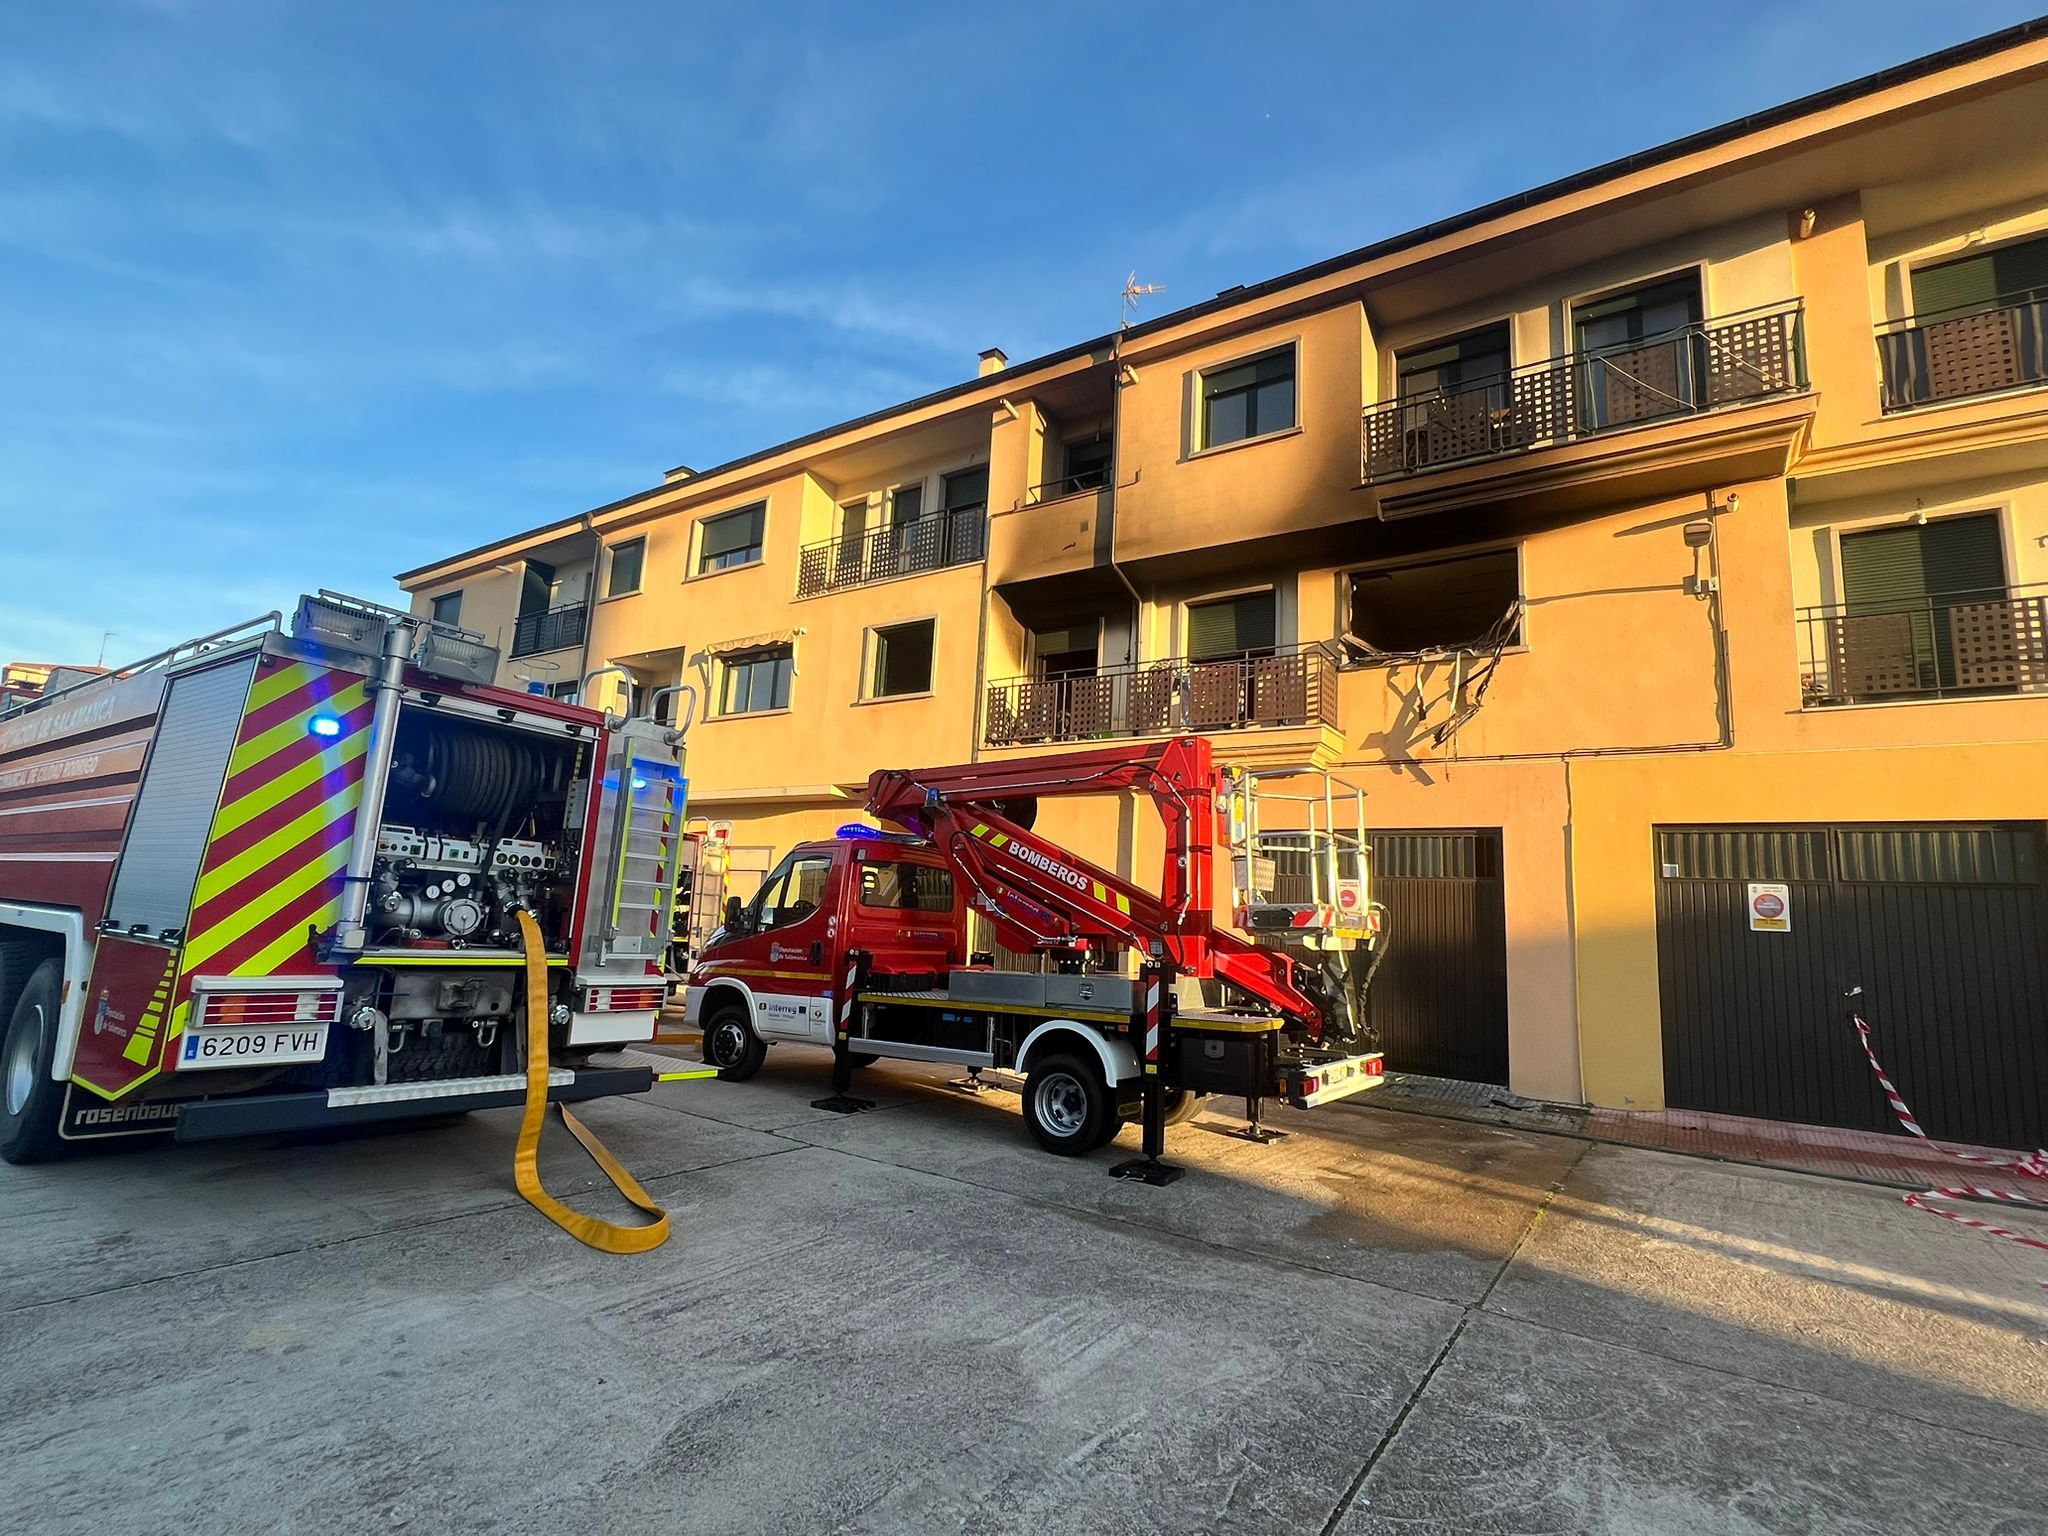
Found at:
(1904, 590)
(1232, 626)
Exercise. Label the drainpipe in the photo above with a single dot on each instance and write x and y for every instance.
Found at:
(589, 601)
(351, 934)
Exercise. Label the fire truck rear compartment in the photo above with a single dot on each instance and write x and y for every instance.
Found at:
(477, 821)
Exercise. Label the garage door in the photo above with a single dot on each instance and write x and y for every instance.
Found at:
(1440, 997)
(1943, 926)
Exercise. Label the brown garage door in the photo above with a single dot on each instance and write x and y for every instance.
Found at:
(1440, 997)
(1944, 928)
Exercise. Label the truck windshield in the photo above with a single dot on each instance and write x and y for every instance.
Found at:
(906, 887)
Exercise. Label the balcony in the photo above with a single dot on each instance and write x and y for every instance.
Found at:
(1294, 686)
(1930, 359)
(955, 537)
(1736, 360)
(1961, 644)
(555, 629)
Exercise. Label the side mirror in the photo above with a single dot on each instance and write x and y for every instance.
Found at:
(736, 916)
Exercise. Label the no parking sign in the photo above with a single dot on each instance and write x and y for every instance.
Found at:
(1770, 907)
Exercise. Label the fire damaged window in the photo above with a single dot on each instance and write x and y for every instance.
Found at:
(1461, 602)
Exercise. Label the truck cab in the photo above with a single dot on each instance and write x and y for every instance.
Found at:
(768, 975)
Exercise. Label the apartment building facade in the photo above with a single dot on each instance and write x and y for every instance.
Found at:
(1665, 551)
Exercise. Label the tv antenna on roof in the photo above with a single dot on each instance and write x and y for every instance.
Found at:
(1134, 291)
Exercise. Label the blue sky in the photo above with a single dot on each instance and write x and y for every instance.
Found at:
(297, 295)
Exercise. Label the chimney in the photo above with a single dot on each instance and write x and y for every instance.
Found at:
(679, 473)
(994, 360)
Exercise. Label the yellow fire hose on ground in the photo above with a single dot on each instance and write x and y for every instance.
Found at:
(606, 1236)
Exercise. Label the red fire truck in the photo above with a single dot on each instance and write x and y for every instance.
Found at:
(273, 880)
(860, 942)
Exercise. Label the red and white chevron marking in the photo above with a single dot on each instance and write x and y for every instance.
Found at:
(2032, 1166)
(846, 987)
(1152, 1021)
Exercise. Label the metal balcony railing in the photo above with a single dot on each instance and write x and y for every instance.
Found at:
(958, 536)
(1729, 361)
(554, 630)
(1076, 484)
(1290, 685)
(1956, 353)
(1984, 642)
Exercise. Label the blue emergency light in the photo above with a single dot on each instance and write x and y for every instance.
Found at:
(325, 726)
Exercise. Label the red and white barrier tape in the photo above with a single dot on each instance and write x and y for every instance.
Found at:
(2032, 1166)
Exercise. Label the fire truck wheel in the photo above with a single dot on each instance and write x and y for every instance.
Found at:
(731, 1045)
(1067, 1105)
(1182, 1105)
(29, 1101)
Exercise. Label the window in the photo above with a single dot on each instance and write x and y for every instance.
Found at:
(1639, 359)
(567, 693)
(2011, 274)
(906, 504)
(753, 681)
(966, 490)
(1070, 652)
(1433, 604)
(537, 587)
(731, 538)
(1451, 367)
(1232, 627)
(1908, 591)
(793, 892)
(627, 559)
(906, 887)
(902, 659)
(1088, 464)
(1654, 309)
(448, 609)
(1248, 399)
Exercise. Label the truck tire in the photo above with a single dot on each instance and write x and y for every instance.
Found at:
(1067, 1105)
(29, 1101)
(1182, 1105)
(731, 1045)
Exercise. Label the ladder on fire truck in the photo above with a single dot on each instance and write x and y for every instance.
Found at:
(1040, 896)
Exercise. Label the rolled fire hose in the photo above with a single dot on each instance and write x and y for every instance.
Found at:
(605, 1236)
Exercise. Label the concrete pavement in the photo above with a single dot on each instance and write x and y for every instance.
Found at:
(913, 1320)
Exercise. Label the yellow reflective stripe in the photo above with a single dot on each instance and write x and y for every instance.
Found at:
(280, 789)
(1100, 893)
(1123, 903)
(285, 734)
(979, 829)
(262, 854)
(266, 961)
(274, 899)
(271, 686)
(998, 840)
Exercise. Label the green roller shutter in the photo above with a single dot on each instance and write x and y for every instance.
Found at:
(1902, 567)
(1980, 281)
(1231, 627)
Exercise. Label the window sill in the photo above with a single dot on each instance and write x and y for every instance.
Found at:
(614, 597)
(749, 714)
(895, 698)
(725, 570)
(1243, 442)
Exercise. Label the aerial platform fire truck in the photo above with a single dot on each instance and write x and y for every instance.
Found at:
(860, 942)
(267, 881)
